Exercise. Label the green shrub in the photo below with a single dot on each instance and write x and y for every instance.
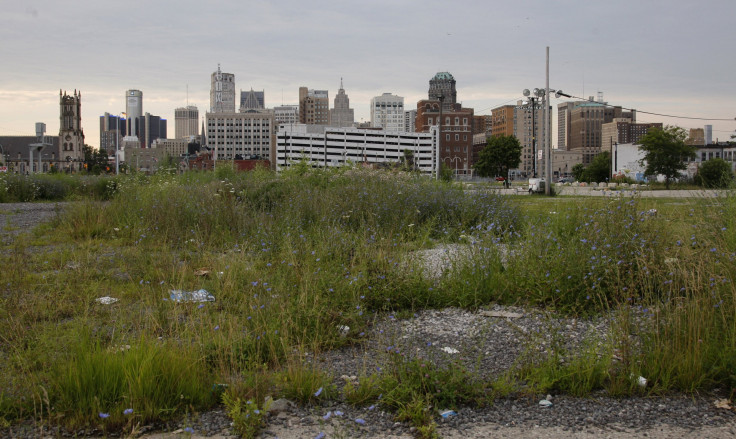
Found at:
(715, 173)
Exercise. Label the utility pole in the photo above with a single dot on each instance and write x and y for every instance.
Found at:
(439, 141)
(547, 138)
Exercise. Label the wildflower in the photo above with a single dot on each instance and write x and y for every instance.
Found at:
(371, 407)
(360, 421)
(338, 413)
(327, 415)
(200, 306)
(189, 430)
(104, 415)
(128, 411)
(320, 435)
(217, 327)
(318, 392)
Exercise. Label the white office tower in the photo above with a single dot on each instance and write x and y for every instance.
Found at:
(286, 114)
(222, 92)
(186, 121)
(387, 112)
(708, 134)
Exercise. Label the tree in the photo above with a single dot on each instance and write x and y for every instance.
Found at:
(95, 160)
(715, 173)
(501, 154)
(665, 152)
(578, 171)
(598, 170)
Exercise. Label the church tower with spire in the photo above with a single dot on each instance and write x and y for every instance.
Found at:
(71, 136)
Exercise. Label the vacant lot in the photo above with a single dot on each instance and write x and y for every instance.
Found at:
(379, 296)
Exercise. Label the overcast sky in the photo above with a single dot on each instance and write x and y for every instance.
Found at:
(672, 57)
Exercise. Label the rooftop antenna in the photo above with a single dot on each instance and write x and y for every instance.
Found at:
(187, 95)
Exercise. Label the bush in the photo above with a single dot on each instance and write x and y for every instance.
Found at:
(715, 173)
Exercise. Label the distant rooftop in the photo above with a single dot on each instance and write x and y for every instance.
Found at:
(443, 75)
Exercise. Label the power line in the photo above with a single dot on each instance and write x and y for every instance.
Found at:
(647, 112)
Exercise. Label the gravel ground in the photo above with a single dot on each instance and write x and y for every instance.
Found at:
(17, 218)
(487, 342)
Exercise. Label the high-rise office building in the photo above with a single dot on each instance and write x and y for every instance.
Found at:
(530, 130)
(237, 136)
(442, 85)
(151, 128)
(624, 130)
(342, 115)
(133, 111)
(387, 112)
(410, 117)
(314, 106)
(586, 126)
(708, 132)
(112, 131)
(286, 114)
(580, 125)
(222, 92)
(252, 100)
(563, 124)
(502, 121)
(186, 120)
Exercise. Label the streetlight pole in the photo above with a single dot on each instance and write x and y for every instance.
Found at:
(532, 99)
(548, 138)
(441, 98)
(117, 146)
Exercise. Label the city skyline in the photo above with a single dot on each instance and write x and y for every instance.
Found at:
(652, 57)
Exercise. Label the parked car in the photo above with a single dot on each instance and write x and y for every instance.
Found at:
(500, 179)
(565, 180)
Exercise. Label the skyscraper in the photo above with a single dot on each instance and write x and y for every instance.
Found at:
(314, 106)
(252, 100)
(185, 121)
(151, 128)
(112, 131)
(342, 115)
(455, 123)
(286, 114)
(443, 84)
(133, 110)
(222, 92)
(387, 112)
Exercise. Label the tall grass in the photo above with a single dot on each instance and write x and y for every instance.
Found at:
(305, 261)
(147, 381)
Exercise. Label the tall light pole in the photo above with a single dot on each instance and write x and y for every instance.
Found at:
(441, 98)
(548, 138)
(543, 96)
(538, 93)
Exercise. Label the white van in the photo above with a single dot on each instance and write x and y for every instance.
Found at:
(536, 185)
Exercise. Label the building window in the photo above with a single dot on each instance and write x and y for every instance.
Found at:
(457, 136)
(447, 137)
